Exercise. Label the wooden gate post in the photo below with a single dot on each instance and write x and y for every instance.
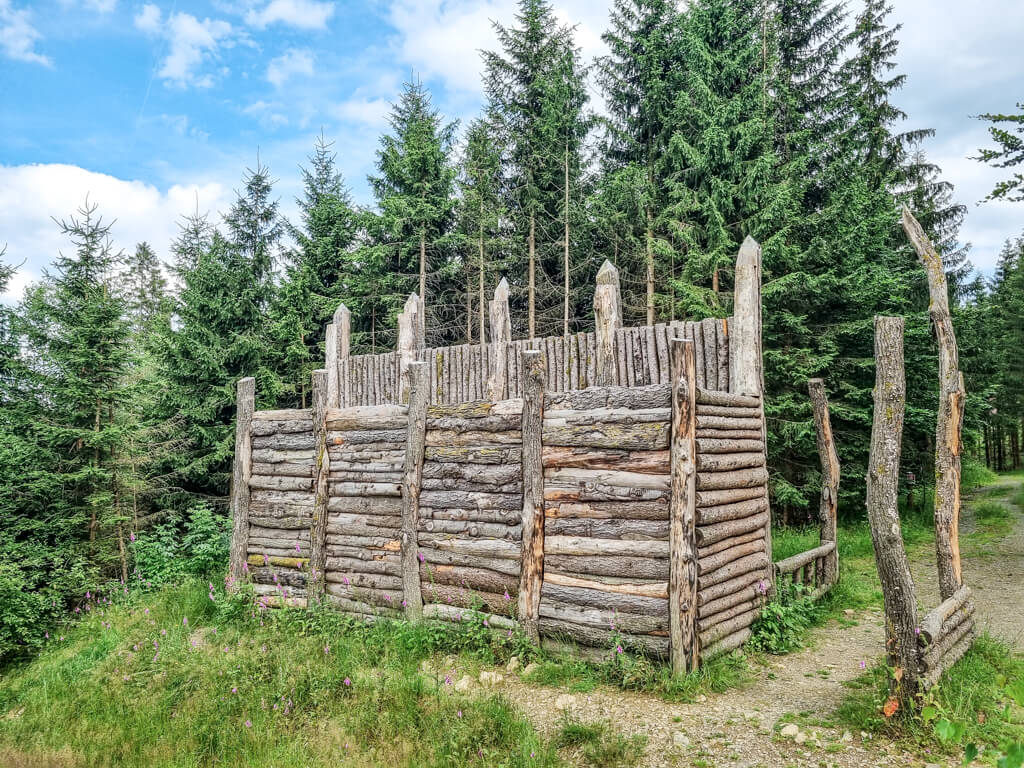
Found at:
(315, 579)
(240, 476)
(410, 341)
(501, 335)
(532, 570)
(828, 508)
(412, 480)
(949, 425)
(684, 640)
(607, 321)
(883, 483)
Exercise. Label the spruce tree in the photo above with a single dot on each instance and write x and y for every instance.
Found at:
(146, 288)
(1007, 131)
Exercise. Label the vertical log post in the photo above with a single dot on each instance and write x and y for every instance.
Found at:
(828, 508)
(410, 340)
(501, 335)
(419, 376)
(336, 342)
(746, 374)
(531, 574)
(883, 482)
(682, 577)
(949, 425)
(315, 583)
(240, 476)
(607, 320)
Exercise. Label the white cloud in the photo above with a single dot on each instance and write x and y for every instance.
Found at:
(192, 43)
(18, 37)
(267, 113)
(31, 194)
(293, 62)
(304, 14)
(100, 6)
(363, 111)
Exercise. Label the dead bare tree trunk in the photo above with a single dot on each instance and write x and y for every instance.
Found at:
(952, 397)
(828, 508)
(883, 515)
(531, 311)
(565, 253)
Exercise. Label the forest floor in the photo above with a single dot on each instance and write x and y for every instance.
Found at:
(741, 727)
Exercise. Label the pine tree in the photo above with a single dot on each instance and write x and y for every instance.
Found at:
(414, 188)
(1009, 153)
(146, 289)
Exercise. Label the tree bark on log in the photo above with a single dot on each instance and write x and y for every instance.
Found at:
(931, 624)
(532, 573)
(650, 462)
(828, 508)
(636, 567)
(654, 396)
(607, 322)
(725, 462)
(498, 454)
(734, 570)
(734, 511)
(412, 478)
(609, 510)
(740, 478)
(267, 428)
(285, 441)
(949, 425)
(241, 474)
(883, 515)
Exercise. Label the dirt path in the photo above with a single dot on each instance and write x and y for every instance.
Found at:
(738, 727)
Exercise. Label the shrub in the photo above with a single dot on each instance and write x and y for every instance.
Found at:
(784, 620)
(172, 550)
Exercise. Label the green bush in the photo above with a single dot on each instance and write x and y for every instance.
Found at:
(174, 549)
(784, 621)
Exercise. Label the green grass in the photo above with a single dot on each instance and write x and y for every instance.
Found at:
(599, 744)
(977, 694)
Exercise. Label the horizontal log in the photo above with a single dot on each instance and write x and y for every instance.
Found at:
(560, 457)
(719, 559)
(714, 619)
(473, 530)
(943, 643)
(285, 469)
(722, 462)
(597, 478)
(709, 534)
(384, 582)
(497, 548)
(449, 437)
(647, 437)
(724, 544)
(614, 621)
(732, 435)
(361, 607)
(476, 409)
(505, 516)
(449, 484)
(735, 569)
(601, 598)
(372, 454)
(728, 411)
(285, 577)
(609, 510)
(607, 529)
(274, 456)
(931, 624)
(753, 579)
(385, 543)
(707, 499)
(493, 474)
(706, 445)
(448, 594)
(360, 552)
(286, 414)
(277, 562)
(734, 511)
(801, 559)
(510, 423)
(656, 589)
(636, 567)
(435, 557)
(729, 627)
(573, 492)
(266, 427)
(656, 396)
(384, 598)
(746, 594)
(276, 536)
(368, 467)
(291, 441)
(725, 645)
(471, 500)
(288, 523)
(340, 520)
(277, 510)
(352, 565)
(483, 579)
(578, 545)
(356, 529)
(741, 478)
(727, 423)
(342, 488)
(365, 505)
(262, 551)
(453, 613)
(952, 656)
(375, 417)
(473, 454)
(712, 397)
(653, 645)
(278, 547)
(281, 483)
(598, 416)
(366, 437)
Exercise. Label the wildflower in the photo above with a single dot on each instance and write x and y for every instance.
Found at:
(405, 604)
(88, 596)
(131, 536)
(163, 632)
(618, 649)
(460, 713)
(448, 679)
(248, 723)
(235, 689)
(863, 665)
(245, 567)
(486, 623)
(348, 683)
(155, 655)
(47, 635)
(387, 597)
(266, 560)
(344, 580)
(184, 621)
(327, 649)
(146, 611)
(297, 549)
(420, 556)
(507, 595)
(917, 631)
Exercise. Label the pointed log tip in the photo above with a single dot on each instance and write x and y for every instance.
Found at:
(607, 274)
(412, 304)
(502, 291)
(340, 312)
(750, 245)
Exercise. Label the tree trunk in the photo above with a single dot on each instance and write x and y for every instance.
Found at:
(883, 515)
(481, 299)
(532, 571)
(412, 480)
(828, 508)
(565, 254)
(423, 268)
(532, 247)
(242, 470)
(650, 265)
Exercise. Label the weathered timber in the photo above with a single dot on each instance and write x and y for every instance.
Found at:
(708, 594)
(448, 437)
(724, 544)
(636, 567)
(728, 411)
(278, 561)
(653, 462)
(290, 441)
(734, 511)
(285, 469)
(442, 612)
(596, 617)
(654, 396)
(375, 540)
(601, 598)
(707, 499)
(264, 429)
(339, 352)
(609, 510)
(508, 517)
(419, 395)
(607, 322)
(591, 491)
(935, 653)
(559, 418)
(280, 549)
(882, 489)
(360, 608)
(277, 511)
(372, 473)
(448, 483)
(411, 326)
(358, 579)
(274, 536)
(293, 498)
(715, 619)
(286, 523)
(366, 437)
(730, 399)
(272, 456)
(710, 563)
(801, 559)
(735, 569)
(949, 424)
(742, 595)
(727, 423)
(474, 454)
(342, 488)
(709, 534)
(730, 434)
(931, 624)
(351, 565)
(281, 483)
(726, 628)
(607, 477)
(288, 414)
(494, 474)
(497, 548)
(953, 655)
(740, 478)
(340, 585)
(577, 545)
(647, 436)
(366, 505)
(725, 462)
(533, 539)
(505, 423)
(607, 529)
(340, 522)
(285, 577)
(470, 500)
(508, 566)
(241, 495)
(618, 585)
(483, 579)
(473, 529)
(501, 335)
(718, 445)
(653, 645)
(726, 644)
(361, 553)
(828, 507)
(450, 594)
(372, 417)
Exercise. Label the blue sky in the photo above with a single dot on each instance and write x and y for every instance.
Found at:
(151, 106)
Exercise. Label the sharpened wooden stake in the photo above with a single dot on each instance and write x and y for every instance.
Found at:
(828, 508)
(607, 322)
(532, 569)
(682, 585)
(242, 471)
(412, 480)
(410, 341)
(501, 336)
(322, 470)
